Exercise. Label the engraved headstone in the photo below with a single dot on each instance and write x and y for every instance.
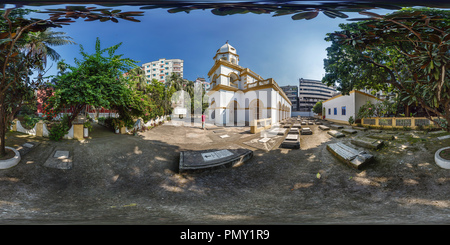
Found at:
(61, 154)
(350, 156)
(190, 160)
(210, 156)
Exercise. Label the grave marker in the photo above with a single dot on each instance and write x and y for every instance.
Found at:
(352, 157)
(336, 134)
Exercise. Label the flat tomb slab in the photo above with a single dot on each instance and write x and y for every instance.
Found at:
(278, 131)
(443, 137)
(191, 160)
(303, 123)
(369, 143)
(310, 123)
(382, 136)
(350, 156)
(335, 126)
(323, 127)
(291, 137)
(304, 131)
(319, 123)
(291, 141)
(293, 131)
(59, 159)
(360, 128)
(336, 134)
(297, 125)
(349, 131)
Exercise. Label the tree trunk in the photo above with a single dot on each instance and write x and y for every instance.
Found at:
(2, 132)
(77, 109)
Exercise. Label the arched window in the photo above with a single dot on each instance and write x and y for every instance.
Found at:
(234, 80)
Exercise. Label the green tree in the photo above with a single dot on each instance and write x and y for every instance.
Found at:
(137, 76)
(96, 80)
(15, 65)
(405, 52)
(317, 108)
(40, 44)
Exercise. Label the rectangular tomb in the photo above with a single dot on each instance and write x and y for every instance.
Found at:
(352, 157)
(349, 131)
(369, 143)
(305, 131)
(336, 134)
(335, 126)
(382, 136)
(291, 141)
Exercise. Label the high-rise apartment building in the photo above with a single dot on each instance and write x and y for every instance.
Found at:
(292, 93)
(312, 91)
(162, 69)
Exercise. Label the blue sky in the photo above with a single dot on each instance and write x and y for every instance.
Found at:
(274, 47)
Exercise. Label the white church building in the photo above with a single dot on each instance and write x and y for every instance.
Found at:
(237, 96)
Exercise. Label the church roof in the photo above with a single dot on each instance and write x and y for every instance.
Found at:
(227, 48)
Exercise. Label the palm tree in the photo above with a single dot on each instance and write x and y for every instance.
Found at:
(38, 44)
(137, 75)
(176, 81)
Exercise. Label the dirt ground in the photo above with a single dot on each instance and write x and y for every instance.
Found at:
(125, 179)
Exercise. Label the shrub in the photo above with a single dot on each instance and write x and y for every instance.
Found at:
(59, 129)
(351, 120)
(29, 121)
(88, 125)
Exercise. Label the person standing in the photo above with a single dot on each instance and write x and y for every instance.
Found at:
(203, 121)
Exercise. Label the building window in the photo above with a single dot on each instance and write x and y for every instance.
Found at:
(329, 111)
(335, 110)
(343, 111)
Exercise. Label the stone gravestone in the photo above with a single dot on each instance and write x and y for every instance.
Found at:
(323, 127)
(336, 134)
(305, 131)
(382, 136)
(369, 143)
(335, 126)
(352, 157)
(293, 131)
(349, 131)
(291, 141)
(59, 159)
(192, 160)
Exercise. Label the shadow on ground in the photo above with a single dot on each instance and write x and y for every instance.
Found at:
(125, 179)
